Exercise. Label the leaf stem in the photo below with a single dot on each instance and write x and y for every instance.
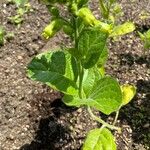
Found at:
(112, 127)
(103, 126)
(116, 117)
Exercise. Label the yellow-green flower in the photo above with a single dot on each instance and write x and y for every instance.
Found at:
(52, 28)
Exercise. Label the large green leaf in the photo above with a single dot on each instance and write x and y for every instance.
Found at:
(123, 29)
(54, 69)
(105, 96)
(90, 46)
(99, 139)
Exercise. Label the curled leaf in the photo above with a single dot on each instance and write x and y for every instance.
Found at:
(128, 92)
(123, 29)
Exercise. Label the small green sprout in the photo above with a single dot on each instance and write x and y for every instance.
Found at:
(145, 38)
(2, 33)
(23, 8)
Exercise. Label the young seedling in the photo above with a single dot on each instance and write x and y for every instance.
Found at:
(145, 38)
(2, 33)
(4, 36)
(78, 71)
(23, 8)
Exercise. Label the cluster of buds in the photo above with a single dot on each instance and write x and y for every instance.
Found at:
(78, 9)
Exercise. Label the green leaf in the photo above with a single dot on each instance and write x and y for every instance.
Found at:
(90, 46)
(99, 139)
(128, 92)
(81, 3)
(53, 10)
(141, 36)
(123, 29)
(70, 100)
(103, 57)
(102, 71)
(145, 37)
(91, 76)
(20, 2)
(105, 95)
(54, 69)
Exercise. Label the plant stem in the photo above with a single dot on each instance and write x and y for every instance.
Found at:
(76, 35)
(80, 68)
(103, 126)
(112, 127)
(116, 117)
(102, 5)
(81, 74)
(103, 8)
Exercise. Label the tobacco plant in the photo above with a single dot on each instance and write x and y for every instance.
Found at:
(78, 71)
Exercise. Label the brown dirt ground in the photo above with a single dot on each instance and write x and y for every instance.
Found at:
(32, 116)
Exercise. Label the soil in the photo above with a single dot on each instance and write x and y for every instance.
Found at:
(32, 115)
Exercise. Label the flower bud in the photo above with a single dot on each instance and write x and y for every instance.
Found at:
(52, 28)
(90, 19)
(87, 16)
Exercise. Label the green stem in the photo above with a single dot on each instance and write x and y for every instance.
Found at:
(76, 35)
(80, 68)
(103, 126)
(102, 5)
(116, 117)
(103, 8)
(80, 81)
(112, 127)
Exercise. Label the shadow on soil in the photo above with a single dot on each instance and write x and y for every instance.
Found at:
(129, 59)
(49, 134)
(137, 115)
